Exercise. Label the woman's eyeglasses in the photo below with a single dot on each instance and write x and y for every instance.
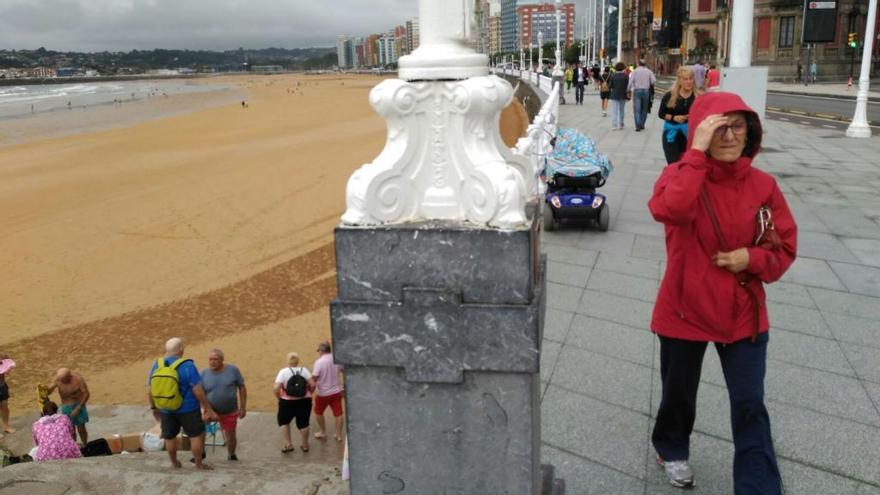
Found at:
(738, 128)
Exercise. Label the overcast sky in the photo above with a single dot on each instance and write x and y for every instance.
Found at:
(121, 25)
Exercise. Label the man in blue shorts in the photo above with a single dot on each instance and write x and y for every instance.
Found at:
(74, 394)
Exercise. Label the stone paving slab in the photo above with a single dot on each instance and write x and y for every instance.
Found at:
(823, 380)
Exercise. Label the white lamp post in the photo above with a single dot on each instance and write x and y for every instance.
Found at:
(557, 71)
(531, 61)
(859, 128)
(620, 30)
(602, 31)
(540, 51)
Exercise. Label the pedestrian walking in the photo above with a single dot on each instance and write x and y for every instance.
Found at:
(580, 76)
(74, 395)
(569, 74)
(293, 389)
(728, 232)
(699, 75)
(814, 72)
(674, 108)
(178, 401)
(713, 78)
(328, 390)
(604, 89)
(618, 95)
(640, 82)
(227, 394)
(800, 72)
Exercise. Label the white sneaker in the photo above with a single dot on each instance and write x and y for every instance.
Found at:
(604, 114)
(678, 473)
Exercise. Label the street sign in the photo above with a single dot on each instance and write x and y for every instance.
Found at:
(820, 21)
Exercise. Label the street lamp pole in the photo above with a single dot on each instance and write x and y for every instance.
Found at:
(531, 60)
(619, 30)
(602, 31)
(859, 128)
(540, 51)
(557, 71)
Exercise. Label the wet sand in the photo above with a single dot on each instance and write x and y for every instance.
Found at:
(215, 226)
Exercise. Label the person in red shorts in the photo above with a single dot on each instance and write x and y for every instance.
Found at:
(225, 390)
(328, 390)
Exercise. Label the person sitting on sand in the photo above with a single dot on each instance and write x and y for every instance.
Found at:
(74, 394)
(54, 436)
(4, 395)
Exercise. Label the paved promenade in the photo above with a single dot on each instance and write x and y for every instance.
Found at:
(601, 364)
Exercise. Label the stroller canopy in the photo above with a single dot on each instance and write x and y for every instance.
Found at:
(576, 155)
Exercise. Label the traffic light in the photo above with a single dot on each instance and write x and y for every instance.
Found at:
(853, 40)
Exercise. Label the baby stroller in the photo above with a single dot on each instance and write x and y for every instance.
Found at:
(573, 172)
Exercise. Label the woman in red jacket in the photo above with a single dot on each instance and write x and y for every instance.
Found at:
(712, 290)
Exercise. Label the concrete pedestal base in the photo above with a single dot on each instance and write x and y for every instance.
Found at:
(439, 327)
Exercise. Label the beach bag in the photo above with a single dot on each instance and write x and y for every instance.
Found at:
(151, 442)
(604, 86)
(96, 448)
(165, 385)
(296, 385)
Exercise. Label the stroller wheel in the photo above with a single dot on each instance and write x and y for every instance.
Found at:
(550, 223)
(604, 218)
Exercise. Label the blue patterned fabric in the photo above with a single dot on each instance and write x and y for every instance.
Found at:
(576, 155)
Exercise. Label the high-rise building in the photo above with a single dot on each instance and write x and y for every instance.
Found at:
(414, 33)
(343, 52)
(508, 27)
(542, 17)
(386, 49)
(481, 22)
(494, 34)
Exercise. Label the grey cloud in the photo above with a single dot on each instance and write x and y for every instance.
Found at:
(207, 24)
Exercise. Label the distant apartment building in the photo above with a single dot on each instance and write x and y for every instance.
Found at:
(480, 37)
(508, 26)
(386, 50)
(412, 33)
(401, 41)
(541, 17)
(343, 52)
(494, 34)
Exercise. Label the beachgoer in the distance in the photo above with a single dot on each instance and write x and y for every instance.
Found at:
(293, 388)
(74, 394)
(227, 394)
(54, 436)
(4, 400)
(194, 408)
(328, 391)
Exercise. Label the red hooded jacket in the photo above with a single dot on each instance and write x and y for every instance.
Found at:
(697, 300)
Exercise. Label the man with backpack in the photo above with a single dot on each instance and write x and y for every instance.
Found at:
(178, 401)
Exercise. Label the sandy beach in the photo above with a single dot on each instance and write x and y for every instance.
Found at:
(200, 219)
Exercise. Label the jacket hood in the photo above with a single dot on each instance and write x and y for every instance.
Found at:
(721, 102)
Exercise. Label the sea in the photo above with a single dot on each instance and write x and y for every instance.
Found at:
(21, 101)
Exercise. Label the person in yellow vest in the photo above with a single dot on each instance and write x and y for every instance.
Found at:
(569, 74)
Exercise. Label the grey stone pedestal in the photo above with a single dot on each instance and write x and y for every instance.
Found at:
(439, 329)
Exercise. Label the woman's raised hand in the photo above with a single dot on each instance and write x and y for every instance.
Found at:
(706, 130)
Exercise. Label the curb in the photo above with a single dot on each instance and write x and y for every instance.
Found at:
(836, 118)
(872, 99)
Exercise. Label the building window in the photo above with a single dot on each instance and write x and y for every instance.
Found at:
(704, 6)
(786, 31)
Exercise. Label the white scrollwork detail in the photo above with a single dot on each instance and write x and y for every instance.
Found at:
(443, 157)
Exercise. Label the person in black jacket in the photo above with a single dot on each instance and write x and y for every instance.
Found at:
(618, 94)
(674, 109)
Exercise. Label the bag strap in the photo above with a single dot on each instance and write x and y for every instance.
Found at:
(716, 226)
(742, 278)
(177, 363)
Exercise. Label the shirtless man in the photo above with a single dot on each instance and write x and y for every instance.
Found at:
(74, 394)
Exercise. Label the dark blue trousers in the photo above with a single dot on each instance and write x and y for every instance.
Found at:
(755, 471)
